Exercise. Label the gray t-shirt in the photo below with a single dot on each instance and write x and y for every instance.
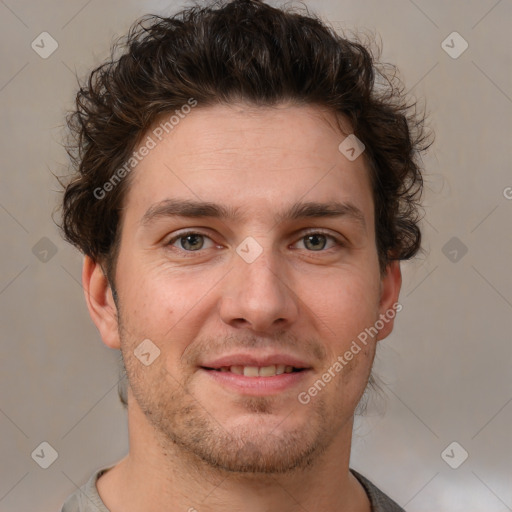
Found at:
(87, 499)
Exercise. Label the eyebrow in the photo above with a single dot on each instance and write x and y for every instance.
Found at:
(299, 210)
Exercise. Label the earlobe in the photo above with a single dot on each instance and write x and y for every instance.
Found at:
(100, 302)
(390, 292)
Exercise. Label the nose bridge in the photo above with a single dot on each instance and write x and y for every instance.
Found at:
(262, 273)
(257, 292)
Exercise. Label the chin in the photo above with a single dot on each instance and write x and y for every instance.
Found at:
(262, 452)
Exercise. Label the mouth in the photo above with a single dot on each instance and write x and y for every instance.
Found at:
(257, 371)
(268, 380)
(257, 374)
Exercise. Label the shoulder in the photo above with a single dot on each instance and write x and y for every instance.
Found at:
(380, 502)
(86, 498)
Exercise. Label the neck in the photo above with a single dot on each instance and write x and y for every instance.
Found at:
(158, 473)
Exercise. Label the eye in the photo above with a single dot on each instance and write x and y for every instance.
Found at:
(193, 241)
(317, 241)
(190, 241)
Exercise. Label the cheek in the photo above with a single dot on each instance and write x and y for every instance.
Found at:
(344, 303)
(167, 307)
(148, 303)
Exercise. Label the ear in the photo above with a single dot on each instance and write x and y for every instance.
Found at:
(389, 306)
(100, 302)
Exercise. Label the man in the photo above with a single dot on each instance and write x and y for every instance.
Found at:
(245, 190)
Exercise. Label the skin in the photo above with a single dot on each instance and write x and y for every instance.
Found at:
(195, 444)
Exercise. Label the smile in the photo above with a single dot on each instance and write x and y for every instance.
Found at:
(258, 371)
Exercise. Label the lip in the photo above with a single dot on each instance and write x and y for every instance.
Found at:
(256, 386)
(252, 359)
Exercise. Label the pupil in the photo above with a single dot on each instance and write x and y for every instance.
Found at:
(187, 244)
(315, 239)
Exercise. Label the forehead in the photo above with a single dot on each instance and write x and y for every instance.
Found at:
(256, 160)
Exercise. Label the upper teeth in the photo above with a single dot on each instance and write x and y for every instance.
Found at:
(258, 371)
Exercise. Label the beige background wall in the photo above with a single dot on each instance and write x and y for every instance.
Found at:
(446, 367)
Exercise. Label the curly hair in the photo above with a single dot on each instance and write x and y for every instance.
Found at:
(230, 51)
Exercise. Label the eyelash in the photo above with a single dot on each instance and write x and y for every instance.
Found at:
(337, 241)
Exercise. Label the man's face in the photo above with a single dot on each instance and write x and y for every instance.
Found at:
(259, 288)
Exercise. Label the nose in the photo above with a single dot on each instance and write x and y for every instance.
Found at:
(258, 295)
